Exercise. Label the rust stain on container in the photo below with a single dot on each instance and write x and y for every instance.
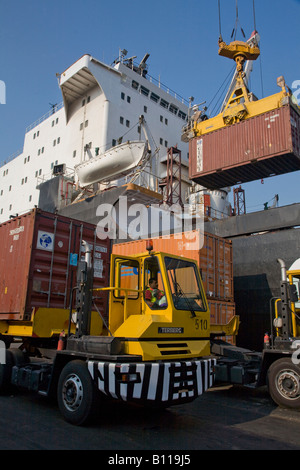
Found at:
(259, 147)
(38, 262)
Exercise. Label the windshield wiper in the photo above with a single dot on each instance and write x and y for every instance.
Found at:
(182, 294)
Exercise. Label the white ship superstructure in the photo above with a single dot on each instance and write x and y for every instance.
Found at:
(101, 104)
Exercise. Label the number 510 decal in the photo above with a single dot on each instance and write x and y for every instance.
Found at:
(200, 324)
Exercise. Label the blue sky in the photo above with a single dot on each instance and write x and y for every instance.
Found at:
(39, 38)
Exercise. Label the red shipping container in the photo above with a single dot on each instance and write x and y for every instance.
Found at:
(259, 147)
(38, 262)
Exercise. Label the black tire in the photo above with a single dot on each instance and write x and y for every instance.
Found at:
(284, 383)
(76, 393)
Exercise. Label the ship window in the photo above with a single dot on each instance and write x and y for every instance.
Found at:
(161, 141)
(128, 99)
(9, 188)
(56, 121)
(127, 123)
(25, 160)
(74, 153)
(135, 85)
(122, 95)
(1, 192)
(83, 103)
(121, 120)
(166, 121)
(173, 109)
(39, 151)
(54, 142)
(144, 91)
(36, 173)
(86, 123)
(145, 109)
(40, 172)
(30, 198)
(81, 126)
(52, 123)
(58, 140)
(161, 119)
(10, 207)
(28, 158)
(182, 115)
(1, 211)
(164, 104)
(114, 143)
(88, 100)
(43, 149)
(154, 97)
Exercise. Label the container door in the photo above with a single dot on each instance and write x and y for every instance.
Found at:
(15, 253)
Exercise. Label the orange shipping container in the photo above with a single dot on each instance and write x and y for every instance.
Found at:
(214, 257)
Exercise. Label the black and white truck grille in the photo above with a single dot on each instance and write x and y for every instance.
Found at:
(166, 382)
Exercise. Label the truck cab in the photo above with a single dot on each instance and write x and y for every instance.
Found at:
(176, 323)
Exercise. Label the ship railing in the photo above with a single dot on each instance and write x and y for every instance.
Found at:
(167, 89)
(11, 157)
(52, 111)
(144, 73)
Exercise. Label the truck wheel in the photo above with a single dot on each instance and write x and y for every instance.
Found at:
(76, 393)
(284, 383)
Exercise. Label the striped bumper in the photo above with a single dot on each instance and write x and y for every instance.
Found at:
(160, 383)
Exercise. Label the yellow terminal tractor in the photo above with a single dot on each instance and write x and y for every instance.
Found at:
(277, 366)
(156, 354)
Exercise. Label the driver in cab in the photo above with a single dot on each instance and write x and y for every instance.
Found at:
(154, 297)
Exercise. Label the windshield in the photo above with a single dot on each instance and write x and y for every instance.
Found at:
(184, 284)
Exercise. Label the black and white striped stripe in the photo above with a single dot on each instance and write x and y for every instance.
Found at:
(166, 382)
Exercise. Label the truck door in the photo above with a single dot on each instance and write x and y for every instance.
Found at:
(125, 290)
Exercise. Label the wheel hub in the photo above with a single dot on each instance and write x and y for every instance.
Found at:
(288, 384)
(72, 392)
